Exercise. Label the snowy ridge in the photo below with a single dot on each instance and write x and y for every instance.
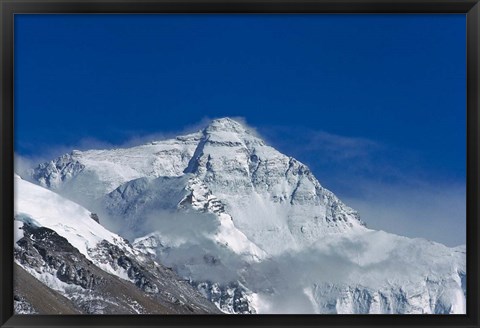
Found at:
(93, 173)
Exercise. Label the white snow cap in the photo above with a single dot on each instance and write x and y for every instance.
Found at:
(226, 124)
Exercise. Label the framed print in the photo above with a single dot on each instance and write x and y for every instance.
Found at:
(258, 163)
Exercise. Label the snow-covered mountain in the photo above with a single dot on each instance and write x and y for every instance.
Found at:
(253, 230)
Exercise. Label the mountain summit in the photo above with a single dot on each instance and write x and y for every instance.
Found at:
(226, 124)
(253, 229)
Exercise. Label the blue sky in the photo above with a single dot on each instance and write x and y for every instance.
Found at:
(374, 104)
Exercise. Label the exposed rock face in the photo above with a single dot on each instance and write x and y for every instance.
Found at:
(43, 249)
(252, 229)
(230, 298)
(54, 261)
(22, 306)
(94, 217)
(56, 172)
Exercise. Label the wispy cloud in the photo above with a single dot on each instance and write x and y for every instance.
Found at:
(336, 147)
(340, 148)
(431, 210)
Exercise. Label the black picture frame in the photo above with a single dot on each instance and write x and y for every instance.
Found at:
(9, 8)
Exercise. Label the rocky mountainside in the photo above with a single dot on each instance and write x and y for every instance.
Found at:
(61, 245)
(253, 230)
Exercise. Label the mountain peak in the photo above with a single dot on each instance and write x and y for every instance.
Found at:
(225, 124)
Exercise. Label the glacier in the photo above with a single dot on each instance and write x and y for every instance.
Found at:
(253, 229)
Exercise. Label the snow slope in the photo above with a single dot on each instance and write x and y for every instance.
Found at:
(41, 207)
